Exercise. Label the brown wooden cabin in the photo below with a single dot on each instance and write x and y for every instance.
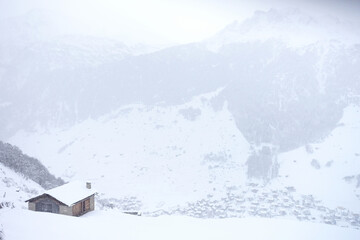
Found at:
(73, 199)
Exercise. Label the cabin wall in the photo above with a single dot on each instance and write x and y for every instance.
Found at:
(76, 209)
(31, 206)
(66, 210)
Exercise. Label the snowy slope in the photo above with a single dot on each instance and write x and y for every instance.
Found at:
(15, 189)
(158, 154)
(330, 168)
(22, 224)
(190, 159)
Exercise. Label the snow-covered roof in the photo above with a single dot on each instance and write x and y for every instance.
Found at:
(71, 193)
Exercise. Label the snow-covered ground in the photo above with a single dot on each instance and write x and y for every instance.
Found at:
(24, 224)
(328, 169)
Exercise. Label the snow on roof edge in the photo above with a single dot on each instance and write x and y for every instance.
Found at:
(69, 193)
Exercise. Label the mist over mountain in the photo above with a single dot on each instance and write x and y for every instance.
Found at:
(283, 78)
(293, 26)
(282, 95)
(243, 114)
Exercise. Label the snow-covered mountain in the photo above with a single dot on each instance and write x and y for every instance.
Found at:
(266, 116)
(158, 158)
(182, 152)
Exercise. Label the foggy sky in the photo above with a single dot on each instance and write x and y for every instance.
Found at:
(160, 21)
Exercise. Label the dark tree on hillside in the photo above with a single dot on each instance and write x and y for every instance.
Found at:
(31, 168)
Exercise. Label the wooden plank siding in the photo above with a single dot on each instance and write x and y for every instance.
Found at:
(83, 206)
(87, 204)
(76, 209)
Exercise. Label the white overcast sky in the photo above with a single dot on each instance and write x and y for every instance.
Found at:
(160, 21)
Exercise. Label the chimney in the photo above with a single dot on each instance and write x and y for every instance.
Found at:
(88, 185)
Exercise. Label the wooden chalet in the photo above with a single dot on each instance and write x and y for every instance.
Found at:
(73, 199)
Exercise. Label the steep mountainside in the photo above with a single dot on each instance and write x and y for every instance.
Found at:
(13, 158)
(265, 83)
(280, 96)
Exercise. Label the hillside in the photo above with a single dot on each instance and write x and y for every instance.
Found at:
(28, 167)
(15, 189)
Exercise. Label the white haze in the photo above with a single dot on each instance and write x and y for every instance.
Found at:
(160, 21)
